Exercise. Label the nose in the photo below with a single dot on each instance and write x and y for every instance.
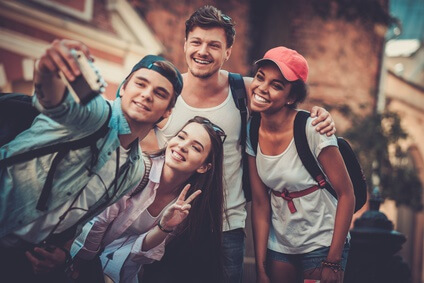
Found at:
(183, 145)
(147, 94)
(263, 87)
(203, 49)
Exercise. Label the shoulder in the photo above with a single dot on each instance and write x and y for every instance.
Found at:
(316, 140)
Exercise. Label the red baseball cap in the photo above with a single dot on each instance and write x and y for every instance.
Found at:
(292, 65)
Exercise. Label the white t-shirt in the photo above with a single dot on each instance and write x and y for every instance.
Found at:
(312, 226)
(227, 116)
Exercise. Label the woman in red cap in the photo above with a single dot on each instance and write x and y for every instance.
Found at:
(300, 231)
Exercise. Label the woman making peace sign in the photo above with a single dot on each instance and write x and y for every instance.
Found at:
(135, 230)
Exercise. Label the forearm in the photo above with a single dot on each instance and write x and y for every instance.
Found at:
(153, 238)
(88, 243)
(342, 222)
(49, 88)
(260, 226)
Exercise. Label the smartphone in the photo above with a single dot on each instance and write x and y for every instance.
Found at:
(87, 85)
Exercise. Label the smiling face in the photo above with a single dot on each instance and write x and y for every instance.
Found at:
(206, 51)
(269, 89)
(188, 150)
(146, 97)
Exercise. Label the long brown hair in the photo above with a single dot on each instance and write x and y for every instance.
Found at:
(194, 255)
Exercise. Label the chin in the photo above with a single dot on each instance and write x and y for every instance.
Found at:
(255, 108)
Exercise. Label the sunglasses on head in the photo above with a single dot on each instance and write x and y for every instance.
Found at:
(226, 18)
(218, 130)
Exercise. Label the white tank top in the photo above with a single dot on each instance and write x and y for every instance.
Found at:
(227, 116)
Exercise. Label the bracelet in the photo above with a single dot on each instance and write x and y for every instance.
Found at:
(335, 266)
(163, 229)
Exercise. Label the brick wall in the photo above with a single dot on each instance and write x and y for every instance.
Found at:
(343, 56)
(344, 60)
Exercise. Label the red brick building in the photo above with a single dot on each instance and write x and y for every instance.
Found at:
(342, 42)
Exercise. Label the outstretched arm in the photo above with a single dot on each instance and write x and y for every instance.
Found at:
(324, 122)
(48, 86)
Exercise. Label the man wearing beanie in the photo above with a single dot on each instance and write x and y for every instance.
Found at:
(37, 222)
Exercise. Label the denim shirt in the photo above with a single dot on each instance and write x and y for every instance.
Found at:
(21, 184)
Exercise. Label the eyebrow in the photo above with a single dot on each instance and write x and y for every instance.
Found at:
(278, 81)
(194, 140)
(209, 42)
(141, 78)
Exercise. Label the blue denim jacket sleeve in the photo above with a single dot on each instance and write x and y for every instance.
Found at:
(21, 184)
(74, 115)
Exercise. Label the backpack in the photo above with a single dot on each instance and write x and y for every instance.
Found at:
(238, 91)
(352, 165)
(17, 115)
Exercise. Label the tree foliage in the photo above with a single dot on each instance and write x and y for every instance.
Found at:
(376, 141)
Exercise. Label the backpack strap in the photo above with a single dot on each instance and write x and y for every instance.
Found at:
(60, 238)
(305, 154)
(255, 122)
(70, 145)
(238, 91)
(62, 150)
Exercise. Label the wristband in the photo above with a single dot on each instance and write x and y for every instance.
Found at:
(163, 229)
(335, 266)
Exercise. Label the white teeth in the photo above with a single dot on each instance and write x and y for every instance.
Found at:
(260, 98)
(201, 61)
(177, 155)
(138, 104)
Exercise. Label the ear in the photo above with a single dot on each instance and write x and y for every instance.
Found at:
(121, 90)
(228, 53)
(204, 168)
(167, 114)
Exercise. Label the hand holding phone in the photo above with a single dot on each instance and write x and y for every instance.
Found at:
(87, 85)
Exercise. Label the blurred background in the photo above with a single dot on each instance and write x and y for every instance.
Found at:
(366, 61)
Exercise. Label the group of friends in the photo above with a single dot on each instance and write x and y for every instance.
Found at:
(185, 223)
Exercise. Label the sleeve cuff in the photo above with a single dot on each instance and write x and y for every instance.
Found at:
(145, 257)
(55, 111)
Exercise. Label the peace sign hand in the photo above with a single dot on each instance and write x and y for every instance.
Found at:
(177, 212)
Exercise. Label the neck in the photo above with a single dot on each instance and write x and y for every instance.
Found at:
(171, 181)
(137, 131)
(205, 87)
(279, 121)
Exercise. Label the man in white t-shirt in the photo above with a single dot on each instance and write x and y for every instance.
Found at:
(209, 38)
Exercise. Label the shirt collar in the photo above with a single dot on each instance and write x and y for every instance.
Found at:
(156, 171)
(118, 120)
